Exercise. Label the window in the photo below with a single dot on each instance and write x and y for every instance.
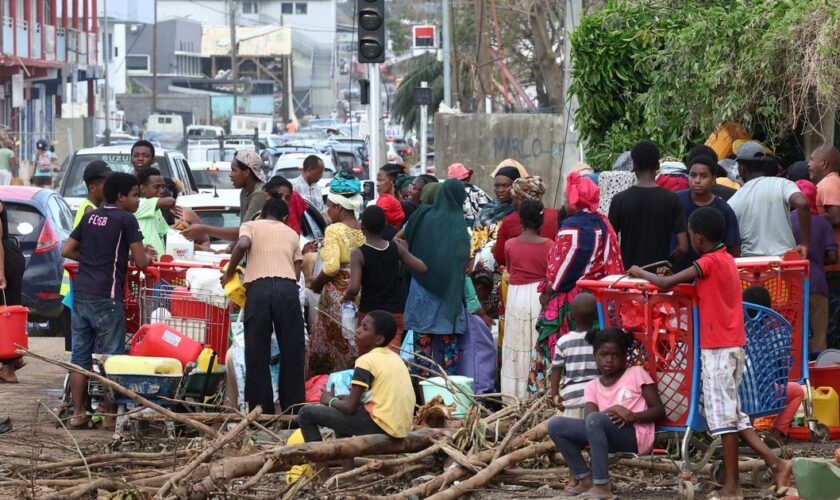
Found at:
(250, 8)
(287, 7)
(300, 7)
(187, 64)
(138, 63)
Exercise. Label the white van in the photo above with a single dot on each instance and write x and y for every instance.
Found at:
(168, 130)
(245, 124)
(199, 132)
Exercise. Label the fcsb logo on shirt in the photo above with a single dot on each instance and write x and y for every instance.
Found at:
(98, 220)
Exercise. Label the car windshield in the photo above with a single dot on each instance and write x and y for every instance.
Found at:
(346, 161)
(74, 185)
(290, 166)
(23, 221)
(215, 155)
(219, 217)
(205, 179)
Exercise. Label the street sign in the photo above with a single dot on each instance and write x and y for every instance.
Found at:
(422, 96)
(424, 37)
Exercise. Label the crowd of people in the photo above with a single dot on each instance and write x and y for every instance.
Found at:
(431, 262)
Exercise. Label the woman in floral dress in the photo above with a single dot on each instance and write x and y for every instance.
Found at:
(330, 348)
(586, 247)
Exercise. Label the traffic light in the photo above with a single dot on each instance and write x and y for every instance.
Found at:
(371, 30)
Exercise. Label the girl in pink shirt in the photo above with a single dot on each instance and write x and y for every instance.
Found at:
(621, 408)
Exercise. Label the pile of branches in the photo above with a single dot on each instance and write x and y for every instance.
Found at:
(442, 458)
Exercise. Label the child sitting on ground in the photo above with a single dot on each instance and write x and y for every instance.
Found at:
(795, 393)
(722, 340)
(573, 360)
(621, 408)
(381, 399)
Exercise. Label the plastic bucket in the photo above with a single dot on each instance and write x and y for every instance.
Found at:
(437, 387)
(825, 376)
(12, 330)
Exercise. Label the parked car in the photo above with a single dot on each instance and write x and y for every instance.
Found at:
(41, 221)
(223, 211)
(429, 168)
(72, 187)
(350, 158)
(212, 176)
(290, 166)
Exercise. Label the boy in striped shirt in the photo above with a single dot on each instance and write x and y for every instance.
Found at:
(574, 360)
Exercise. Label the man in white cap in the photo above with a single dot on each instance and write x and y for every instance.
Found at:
(245, 174)
(763, 207)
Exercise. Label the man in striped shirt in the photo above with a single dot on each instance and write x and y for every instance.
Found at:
(573, 359)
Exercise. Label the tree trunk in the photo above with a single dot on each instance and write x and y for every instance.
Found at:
(484, 56)
(545, 57)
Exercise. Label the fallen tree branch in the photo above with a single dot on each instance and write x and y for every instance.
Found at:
(105, 458)
(489, 472)
(217, 418)
(376, 465)
(512, 432)
(126, 392)
(208, 452)
(228, 469)
(454, 473)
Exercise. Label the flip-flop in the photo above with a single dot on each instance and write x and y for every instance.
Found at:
(595, 496)
(80, 427)
(4, 381)
(574, 490)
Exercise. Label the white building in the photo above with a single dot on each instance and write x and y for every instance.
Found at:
(314, 18)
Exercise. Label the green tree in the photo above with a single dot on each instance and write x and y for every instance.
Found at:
(399, 34)
(673, 71)
(423, 68)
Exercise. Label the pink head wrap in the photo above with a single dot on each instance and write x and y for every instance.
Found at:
(459, 171)
(582, 193)
(810, 191)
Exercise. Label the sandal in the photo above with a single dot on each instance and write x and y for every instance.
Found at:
(574, 490)
(595, 496)
(82, 424)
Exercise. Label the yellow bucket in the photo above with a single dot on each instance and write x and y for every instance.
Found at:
(827, 406)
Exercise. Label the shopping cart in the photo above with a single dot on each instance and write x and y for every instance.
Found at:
(665, 326)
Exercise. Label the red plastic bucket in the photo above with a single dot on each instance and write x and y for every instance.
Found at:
(162, 341)
(12, 330)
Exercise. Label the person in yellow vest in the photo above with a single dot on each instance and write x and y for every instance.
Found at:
(94, 177)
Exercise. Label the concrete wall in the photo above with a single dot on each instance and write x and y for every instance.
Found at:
(138, 107)
(482, 141)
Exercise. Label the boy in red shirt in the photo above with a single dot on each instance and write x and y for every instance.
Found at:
(722, 341)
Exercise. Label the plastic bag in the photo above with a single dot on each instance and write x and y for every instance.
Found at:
(340, 382)
(407, 347)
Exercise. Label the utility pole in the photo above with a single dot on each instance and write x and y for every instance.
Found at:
(424, 132)
(234, 67)
(154, 63)
(107, 51)
(374, 117)
(447, 66)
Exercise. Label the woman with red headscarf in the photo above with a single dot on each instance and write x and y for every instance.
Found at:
(394, 215)
(586, 247)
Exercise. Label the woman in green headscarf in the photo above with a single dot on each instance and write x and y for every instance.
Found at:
(434, 308)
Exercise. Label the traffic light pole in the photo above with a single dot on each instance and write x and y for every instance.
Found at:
(447, 66)
(374, 119)
(424, 132)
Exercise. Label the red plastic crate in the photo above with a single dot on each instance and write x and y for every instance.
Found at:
(786, 282)
(663, 325)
